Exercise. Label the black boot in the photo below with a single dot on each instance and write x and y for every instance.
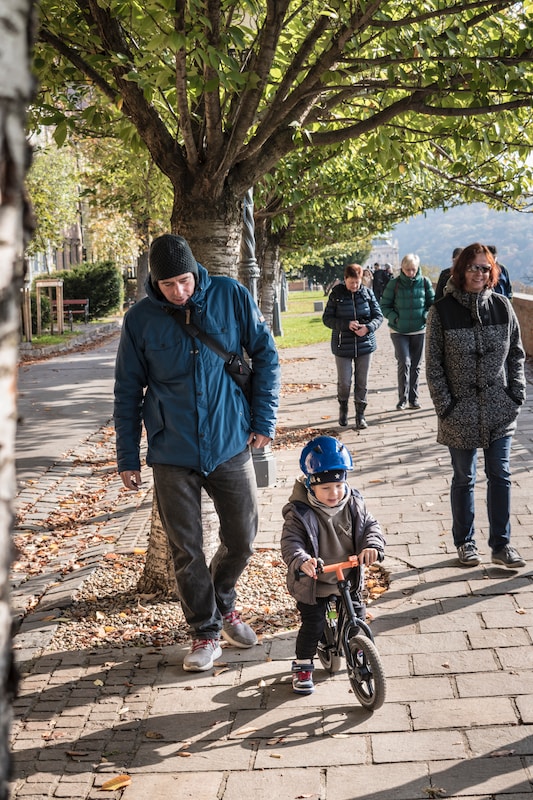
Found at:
(360, 421)
(343, 413)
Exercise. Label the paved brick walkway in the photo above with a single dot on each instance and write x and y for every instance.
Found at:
(456, 644)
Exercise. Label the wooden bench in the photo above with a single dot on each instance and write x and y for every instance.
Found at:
(72, 308)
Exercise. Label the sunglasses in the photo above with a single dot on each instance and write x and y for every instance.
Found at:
(478, 268)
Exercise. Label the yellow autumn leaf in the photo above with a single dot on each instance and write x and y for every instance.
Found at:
(118, 782)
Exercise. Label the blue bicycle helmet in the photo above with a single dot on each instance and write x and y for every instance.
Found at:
(325, 460)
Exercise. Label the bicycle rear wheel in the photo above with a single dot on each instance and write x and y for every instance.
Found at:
(365, 672)
(327, 655)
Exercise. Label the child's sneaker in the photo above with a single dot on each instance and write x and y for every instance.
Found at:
(302, 678)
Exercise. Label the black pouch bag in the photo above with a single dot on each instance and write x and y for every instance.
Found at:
(241, 372)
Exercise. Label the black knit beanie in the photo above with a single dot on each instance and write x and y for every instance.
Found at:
(171, 255)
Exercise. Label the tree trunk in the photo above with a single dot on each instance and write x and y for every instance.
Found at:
(142, 274)
(269, 263)
(15, 229)
(213, 230)
(158, 575)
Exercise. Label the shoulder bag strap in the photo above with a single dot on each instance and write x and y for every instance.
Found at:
(194, 331)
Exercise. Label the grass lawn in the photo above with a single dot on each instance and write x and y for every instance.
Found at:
(301, 324)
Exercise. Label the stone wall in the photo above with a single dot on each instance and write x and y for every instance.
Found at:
(523, 306)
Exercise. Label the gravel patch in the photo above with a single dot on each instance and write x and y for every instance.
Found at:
(108, 611)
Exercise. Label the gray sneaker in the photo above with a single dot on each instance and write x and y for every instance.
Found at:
(237, 632)
(202, 654)
(468, 554)
(508, 557)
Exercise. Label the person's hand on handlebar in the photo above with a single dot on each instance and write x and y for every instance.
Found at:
(368, 556)
(309, 567)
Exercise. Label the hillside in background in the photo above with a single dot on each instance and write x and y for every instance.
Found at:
(434, 235)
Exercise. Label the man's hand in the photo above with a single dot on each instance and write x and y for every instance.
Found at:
(257, 440)
(131, 479)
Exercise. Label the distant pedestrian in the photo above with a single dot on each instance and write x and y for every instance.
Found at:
(324, 518)
(445, 275)
(353, 314)
(475, 373)
(503, 285)
(368, 278)
(405, 303)
(200, 428)
(381, 278)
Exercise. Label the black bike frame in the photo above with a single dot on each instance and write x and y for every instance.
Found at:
(349, 623)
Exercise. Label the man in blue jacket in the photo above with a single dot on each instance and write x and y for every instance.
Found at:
(199, 429)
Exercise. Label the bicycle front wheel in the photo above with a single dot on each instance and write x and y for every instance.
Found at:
(365, 672)
(326, 652)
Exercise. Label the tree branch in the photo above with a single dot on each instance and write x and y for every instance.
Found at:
(449, 10)
(213, 115)
(474, 187)
(157, 138)
(181, 90)
(76, 59)
(294, 107)
(259, 65)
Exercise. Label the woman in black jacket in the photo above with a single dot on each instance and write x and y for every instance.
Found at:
(353, 314)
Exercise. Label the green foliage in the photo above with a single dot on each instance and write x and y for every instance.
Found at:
(350, 114)
(394, 76)
(324, 264)
(52, 185)
(46, 314)
(101, 282)
(126, 188)
(52, 339)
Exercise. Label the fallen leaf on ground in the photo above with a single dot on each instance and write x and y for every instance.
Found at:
(118, 782)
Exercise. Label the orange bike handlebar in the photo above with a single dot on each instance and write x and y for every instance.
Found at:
(340, 566)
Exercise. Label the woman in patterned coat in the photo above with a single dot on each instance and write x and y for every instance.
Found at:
(475, 373)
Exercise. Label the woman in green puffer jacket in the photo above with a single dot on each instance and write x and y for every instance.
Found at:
(405, 304)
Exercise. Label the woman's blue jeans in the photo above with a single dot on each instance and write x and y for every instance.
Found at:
(408, 349)
(497, 470)
(208, 592)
